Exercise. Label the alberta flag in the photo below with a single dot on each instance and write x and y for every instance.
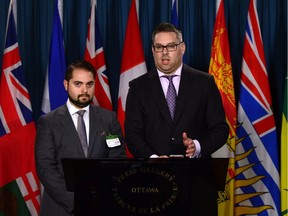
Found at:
(94, 53)
(19, 185)
(257, 163)
(54, 92)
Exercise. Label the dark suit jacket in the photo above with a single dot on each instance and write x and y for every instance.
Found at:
(57, 138)
(199, 112)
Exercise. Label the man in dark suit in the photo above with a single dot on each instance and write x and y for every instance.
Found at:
(196, 128)
(57, 138)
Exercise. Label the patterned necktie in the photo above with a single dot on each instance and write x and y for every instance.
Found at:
(171, 96)
(82, 131)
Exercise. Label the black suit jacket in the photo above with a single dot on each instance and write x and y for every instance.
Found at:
(199, 112)
(57, 138)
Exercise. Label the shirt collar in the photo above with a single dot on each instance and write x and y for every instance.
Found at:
(177, 72)
(72, 109)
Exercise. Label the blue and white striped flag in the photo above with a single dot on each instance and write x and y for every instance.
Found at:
(257, 168)
(54, 92)
(174, 15)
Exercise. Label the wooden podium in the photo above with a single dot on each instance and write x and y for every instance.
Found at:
(133, 187)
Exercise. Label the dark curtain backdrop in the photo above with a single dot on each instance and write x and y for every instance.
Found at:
(196, 20)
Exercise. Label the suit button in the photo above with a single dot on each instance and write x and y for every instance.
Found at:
(173, 139)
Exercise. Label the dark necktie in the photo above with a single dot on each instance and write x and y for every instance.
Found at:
(171, 96)
(82, 131)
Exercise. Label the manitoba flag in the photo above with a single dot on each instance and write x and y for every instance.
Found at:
(19, 185)
(94, 53)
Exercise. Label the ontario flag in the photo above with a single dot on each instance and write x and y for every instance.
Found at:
(257, 162)
(19, 185)
(54, 92)
(133, 62)
(94, 53)
(220, 67)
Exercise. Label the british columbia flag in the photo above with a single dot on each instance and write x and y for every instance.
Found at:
(19, 185)
(257, 168)
(94, 53)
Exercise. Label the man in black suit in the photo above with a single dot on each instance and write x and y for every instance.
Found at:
(196, 128)
(57, 138)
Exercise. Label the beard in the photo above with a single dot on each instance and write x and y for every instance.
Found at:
(81, 103)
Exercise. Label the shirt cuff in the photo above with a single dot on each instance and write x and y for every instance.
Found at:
(154, 156)
(197, 153)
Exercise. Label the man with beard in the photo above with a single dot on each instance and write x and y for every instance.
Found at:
(57, 137)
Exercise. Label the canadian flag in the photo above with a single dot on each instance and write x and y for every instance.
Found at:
(133, 61)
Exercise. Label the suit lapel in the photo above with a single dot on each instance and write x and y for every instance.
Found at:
(67, 122)
(183, 94)
(95, 127)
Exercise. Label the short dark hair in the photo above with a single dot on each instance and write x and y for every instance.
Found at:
(82, 64)
(167, 27)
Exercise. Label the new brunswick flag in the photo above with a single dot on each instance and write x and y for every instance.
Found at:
(220, 68)
(19, 185)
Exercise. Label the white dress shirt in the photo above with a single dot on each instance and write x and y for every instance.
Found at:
(176, 82)
(73, 112)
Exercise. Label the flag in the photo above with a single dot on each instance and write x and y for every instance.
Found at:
(284, 154)
(19, 184)
(94, 53)
(174, 16)
(54, 92)
(133, 62)
(220, 67)
(257, 162)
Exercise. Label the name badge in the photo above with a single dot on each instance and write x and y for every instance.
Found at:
(112, 141)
